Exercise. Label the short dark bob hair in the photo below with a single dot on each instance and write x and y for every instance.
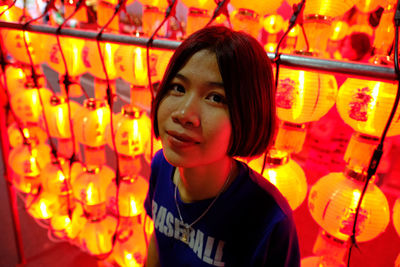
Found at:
(248, 80)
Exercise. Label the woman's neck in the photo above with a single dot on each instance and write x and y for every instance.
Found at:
(203, 182)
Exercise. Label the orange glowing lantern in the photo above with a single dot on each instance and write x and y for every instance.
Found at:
(26, 104)
(89, 128)
(330, 9)
(156, 146)
(367, 6)
(153, 15)
(396, 216)
(131, 195)
(89, 188)
(130, 248)
(15, 45)
(34, 134)
(97, 233)
(384, 35)
(366, 106)
(199, 14)
(246, 17)
(131, 131)
(42, 206)
(105, 10)
(55, 177)
(58, 122)
(339, 30)
(72, 50)
(12, 14)
(301, 97)
(26, 161)
(131, 64)
(285, 174)
(334, 207)
(16, 79)
(93, 62)
(273, 24)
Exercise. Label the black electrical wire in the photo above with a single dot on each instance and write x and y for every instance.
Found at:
(221, 8)
(297, 11)
(110, 99)
(376, 156)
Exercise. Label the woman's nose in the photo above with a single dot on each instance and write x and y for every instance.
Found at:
(187, 112)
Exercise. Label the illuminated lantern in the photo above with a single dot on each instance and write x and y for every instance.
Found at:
(366, 106)
(330, 9)
(34, 134)
(199, 14)
(15, 45)
(273, 24)
(92, 61)
(301, 97)
(89, 128)
(26, 161)
(12, 14)
(72, 50)
(58, 122)
(291, 39)
(153, 15)
(89, 188)
(26, 104)
(384, 35)
(339, 30)
(131, 195)
(333, 201)
(130, 248)
(367, 6)
(285, 174)
(396, 224)
(105, 10)
(131, 64)
(16, 79)
(156, 146)
(132, 130)
(42, 206)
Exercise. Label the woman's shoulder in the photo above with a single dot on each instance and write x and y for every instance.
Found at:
(263, 191)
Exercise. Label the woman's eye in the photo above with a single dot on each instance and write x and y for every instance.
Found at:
(177, 88)
(217, 98)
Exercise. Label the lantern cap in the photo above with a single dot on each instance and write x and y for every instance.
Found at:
(247, 13)
(93, 169)
(93, 104)
(319, 18)
(131, 111)
(358, 175)
(277, 157)
(55, 100)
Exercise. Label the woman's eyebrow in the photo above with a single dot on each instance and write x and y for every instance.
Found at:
(209, 83)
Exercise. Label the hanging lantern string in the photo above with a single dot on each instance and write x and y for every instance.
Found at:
(110, 99)
(67, 83)
(294, 19)
(171, 10)
(9, 7)
(221, 8)
(376, 156)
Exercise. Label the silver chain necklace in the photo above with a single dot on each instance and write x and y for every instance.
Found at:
(186, 232)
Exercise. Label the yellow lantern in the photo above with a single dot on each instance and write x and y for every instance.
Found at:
(273, 24)
(285, 174)
(261, 7)
(384, 35)
(334, 207)
(153, 15)
(15, 45)
(199, 14)
(132, 130)
(26, 161)
(55, 177)
(329, 9)
(396, 216)
(96, 235)
(34, 134)
(72, 50)
(304, 96)
(42, 206)
(89, 187)
(130, 248)
(90, 123)
(92, 61)
(131, 195)
(368, 6)
(131, 64)
(366, 106)
(156, 146)
(26, 104)
(16, 79)
(12, 14)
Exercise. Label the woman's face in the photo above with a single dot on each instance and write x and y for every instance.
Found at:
(193, 117)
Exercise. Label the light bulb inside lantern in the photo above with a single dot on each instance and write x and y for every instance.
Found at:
(42, 206)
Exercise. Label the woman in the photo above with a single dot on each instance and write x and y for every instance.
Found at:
(216, 102)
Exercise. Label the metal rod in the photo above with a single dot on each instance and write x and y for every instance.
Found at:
(361, 70)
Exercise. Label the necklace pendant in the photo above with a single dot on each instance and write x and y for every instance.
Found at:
(185, 235)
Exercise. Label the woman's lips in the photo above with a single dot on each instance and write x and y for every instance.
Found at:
(181, 140)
